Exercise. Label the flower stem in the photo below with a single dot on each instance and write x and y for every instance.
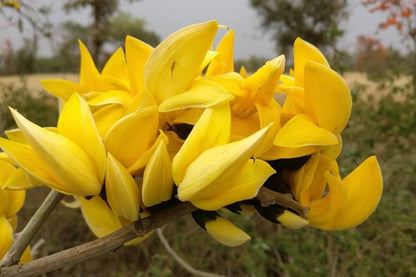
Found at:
(32, 227)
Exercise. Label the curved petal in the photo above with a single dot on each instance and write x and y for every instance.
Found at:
(224, 61)
(106, 117)
(365, 187)
(226, 233)
(327, 97)
(77, 124)
(263, 82)
(6, 236)
(203, 94)
(6, 170)
(111, 97)
(88, 72)
(100, 219)
(15, 202)
(62, 88)
(208, 174)
(268, 113)
(303, 52)
(291, 220)
(322, 213)
(68, 162)
(176, 61)
(18, 180)
(157, 178)
(137, 53)
(130, 137)
(116, 66)
(121, 189)
(241, 186)
(212, 129)
(144, 159)
(301, 131)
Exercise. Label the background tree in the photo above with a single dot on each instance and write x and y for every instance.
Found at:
(400, 14)
(315, 21)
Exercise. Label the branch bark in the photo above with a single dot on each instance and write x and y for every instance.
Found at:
(139, 228)
(269, 197)
(99, 246)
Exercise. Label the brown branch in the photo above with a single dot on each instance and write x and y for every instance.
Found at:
(32, 227)
(100, 246)
(269, 197)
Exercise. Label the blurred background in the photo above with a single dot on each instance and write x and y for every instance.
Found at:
(372, 43)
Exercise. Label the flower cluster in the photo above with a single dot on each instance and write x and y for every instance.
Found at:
(177, 123)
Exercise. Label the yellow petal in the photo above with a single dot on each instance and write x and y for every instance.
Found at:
(137, 53)
(365, 187)
(111, 97)
(6, 236)
(106, 117)
(278, 152)
(6, 170)
(224, 62)
(322, 213)
(68, 162)
(268, 113)
(88, 72)
(203, 94)
(212, 129)
(157, 178)
(27, 159)
(263, 82)
(144, 159)
(100, 219)
(62, 88)
(176, 61)
(121, 190)
(303, 52)
(18, 180)
(211, 171)
(16, 199)
(242, 185)
(26, 256)
(301, 131)
(291, 220)
(327, 97)
(77, 124)
(226, 233)
(116, 66)
(130, 137)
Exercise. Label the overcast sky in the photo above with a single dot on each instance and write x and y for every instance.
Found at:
(167, 16)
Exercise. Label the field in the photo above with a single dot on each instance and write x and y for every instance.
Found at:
(383, 122)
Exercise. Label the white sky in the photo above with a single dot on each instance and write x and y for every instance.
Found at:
(167, 16)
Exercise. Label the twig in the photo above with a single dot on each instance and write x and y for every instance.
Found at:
(269, 197)
(180, 261)
(32, 227)
(99, 246)
(36, 249)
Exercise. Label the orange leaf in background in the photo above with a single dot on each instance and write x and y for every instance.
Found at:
(407, 12)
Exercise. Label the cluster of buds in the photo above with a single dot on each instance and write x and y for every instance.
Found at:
(177, 123)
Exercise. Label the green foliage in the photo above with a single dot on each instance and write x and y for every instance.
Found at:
(123, 24)
(314, 21)
(39, 107)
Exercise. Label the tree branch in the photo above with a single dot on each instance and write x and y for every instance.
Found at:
(99, 246)
(32, 227)
(139, 228)
(269, 197)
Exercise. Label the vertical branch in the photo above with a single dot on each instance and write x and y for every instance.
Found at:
(32, 227)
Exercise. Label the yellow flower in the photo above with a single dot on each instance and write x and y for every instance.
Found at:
(70, 160)
(335, 203)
